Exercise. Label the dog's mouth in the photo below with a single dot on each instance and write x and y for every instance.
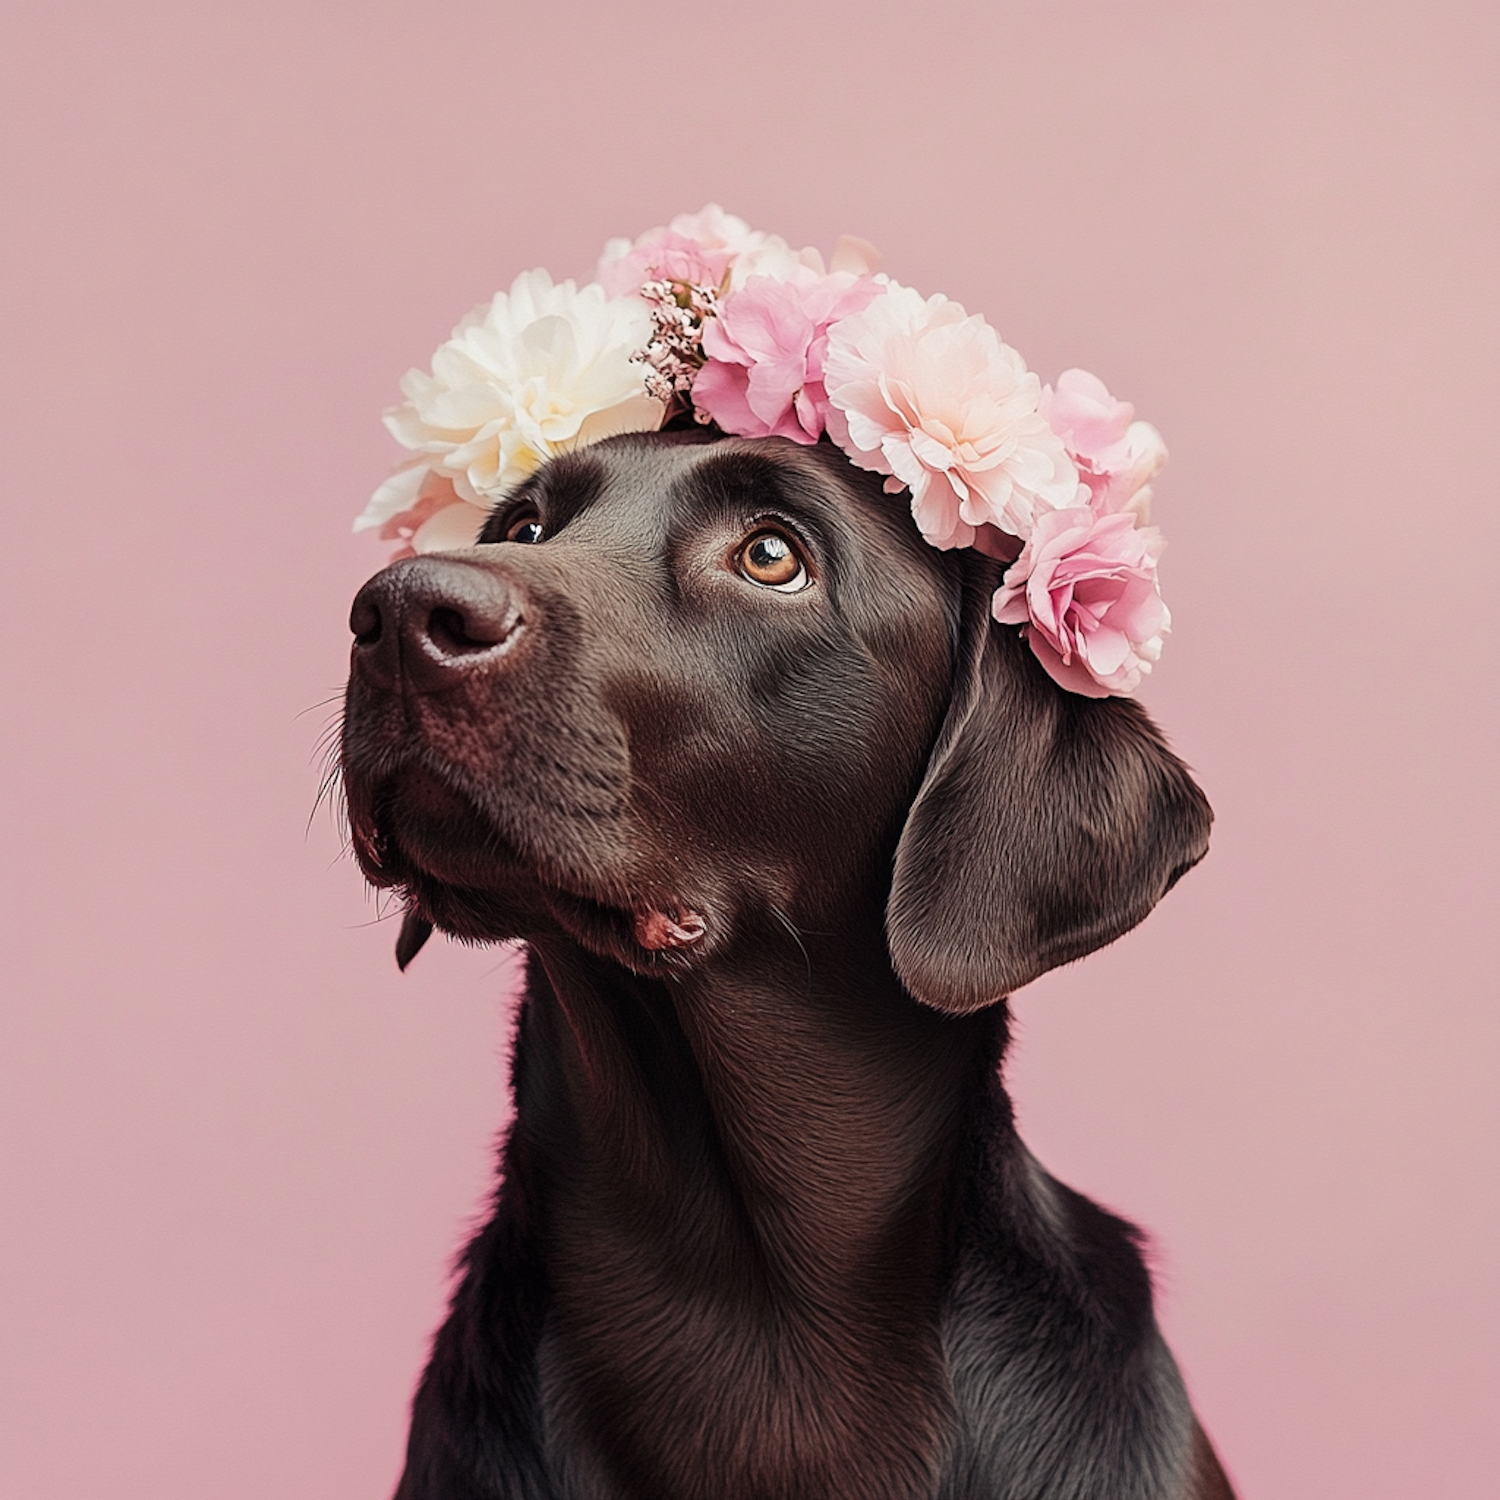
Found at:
(420, 827)
(417, 833)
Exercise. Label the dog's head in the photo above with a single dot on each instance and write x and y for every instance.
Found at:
(683, 688)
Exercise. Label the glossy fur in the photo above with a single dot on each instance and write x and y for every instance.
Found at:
(765, 1230)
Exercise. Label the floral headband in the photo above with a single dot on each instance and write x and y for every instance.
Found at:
(711, 318)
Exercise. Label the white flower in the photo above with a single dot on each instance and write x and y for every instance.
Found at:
(923, 392)
(538, 371)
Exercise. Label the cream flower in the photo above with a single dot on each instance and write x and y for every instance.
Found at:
(538, 371)
(923, 392)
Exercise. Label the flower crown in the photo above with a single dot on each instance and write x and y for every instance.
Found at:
(710, 318)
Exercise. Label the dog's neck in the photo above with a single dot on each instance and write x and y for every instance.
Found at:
(749, 1179)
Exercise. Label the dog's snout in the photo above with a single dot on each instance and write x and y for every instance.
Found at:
(422, 623)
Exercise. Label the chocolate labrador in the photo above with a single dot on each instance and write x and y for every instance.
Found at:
(782, 817)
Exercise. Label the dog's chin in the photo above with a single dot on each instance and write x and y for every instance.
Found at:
(425, 838)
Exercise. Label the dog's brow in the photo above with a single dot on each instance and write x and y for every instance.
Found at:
(738, 479)
(569, 483)
(560, 489)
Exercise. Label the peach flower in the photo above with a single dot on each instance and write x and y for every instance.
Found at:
(419, 510)
(714, 248)
(707, 248)
(929, 395)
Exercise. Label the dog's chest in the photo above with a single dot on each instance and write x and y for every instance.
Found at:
(694, 1396)
(716, 1407)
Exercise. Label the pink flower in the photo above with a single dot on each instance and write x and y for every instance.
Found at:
(663, 255)
(925, 393)
(1085, 588)
(704, 249)
(764, 374)
(1116, 456)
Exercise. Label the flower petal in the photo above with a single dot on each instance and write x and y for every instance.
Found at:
(452, 528)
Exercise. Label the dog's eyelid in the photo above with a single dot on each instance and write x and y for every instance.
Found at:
(506, 512)
(553, 496)
(807, 539)
(520, 521)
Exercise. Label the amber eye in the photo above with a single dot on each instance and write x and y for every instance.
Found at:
(524, 528)
(768, 558)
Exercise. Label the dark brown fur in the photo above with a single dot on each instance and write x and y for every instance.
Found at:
(765, 1228)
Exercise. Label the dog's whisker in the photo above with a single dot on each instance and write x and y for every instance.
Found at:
(312, 708)
(327, 794)
(328, 740)
(791, 927)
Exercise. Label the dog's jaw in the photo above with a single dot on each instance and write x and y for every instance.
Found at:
(453, 871)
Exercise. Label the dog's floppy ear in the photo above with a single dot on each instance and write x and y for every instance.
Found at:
(1047, 825)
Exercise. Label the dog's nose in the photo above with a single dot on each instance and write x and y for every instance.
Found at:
(426, 621)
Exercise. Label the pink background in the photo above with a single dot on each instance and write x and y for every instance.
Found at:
(241, 1147)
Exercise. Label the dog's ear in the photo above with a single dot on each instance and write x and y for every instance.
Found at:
(1047, 825)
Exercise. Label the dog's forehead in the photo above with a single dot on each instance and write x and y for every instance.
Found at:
(654, 489)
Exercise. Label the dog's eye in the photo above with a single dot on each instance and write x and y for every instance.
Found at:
(524, 528)
(771, 560)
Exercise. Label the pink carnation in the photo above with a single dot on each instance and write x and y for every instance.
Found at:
(921, 391)
(1116, 456)
(1085, 587)
(764, 374)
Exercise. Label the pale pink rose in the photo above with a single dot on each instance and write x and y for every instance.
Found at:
(709, 248)
(1117, 457)
(662, 255)
(1085, 588)
(764, 373)
(921, 391)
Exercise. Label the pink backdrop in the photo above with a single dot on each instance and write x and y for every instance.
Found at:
(242, 1147)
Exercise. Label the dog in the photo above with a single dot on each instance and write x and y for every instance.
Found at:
(782, 816)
